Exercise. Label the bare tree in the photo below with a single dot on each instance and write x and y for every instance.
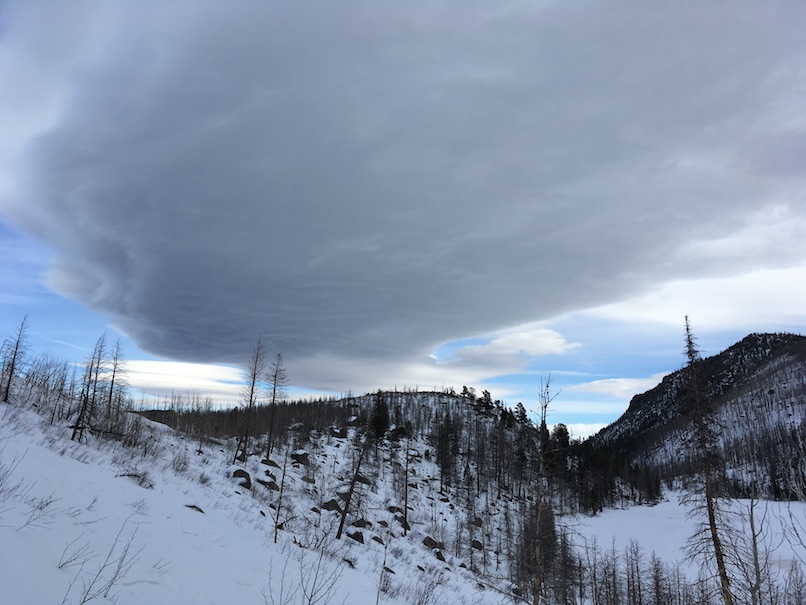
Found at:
(353, 481)
(705, 498)
(545, 397)
(115, 384)
(278, 379)
(254, 372)
(280, 498)
(89, 389)
(751, 543)
(13, 357)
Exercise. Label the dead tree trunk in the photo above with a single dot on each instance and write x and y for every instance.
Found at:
(353, 481)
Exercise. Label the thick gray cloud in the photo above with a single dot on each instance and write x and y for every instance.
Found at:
(367, 181)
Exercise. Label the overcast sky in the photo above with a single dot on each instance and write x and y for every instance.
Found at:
(420, 193)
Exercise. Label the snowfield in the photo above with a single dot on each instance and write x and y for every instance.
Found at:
(666, 527)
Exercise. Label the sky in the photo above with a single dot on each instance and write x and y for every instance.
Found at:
(420, 194)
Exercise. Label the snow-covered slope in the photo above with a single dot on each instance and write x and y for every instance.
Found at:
(168, 518)
(162, 523)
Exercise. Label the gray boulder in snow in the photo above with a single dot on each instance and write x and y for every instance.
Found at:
(245, 479)
(332, 505)
(301, 458)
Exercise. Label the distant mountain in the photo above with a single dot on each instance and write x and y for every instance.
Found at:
(757, 392)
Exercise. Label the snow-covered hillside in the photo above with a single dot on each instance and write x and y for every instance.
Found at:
(164, 524)
(438, 493)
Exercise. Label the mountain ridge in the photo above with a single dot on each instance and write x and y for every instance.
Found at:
(730, 369)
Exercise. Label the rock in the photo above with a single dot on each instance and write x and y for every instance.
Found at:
(301, 457)
(269, 485)
(403, 523)
(269, 462)
(362, 479)
(245, 479)
(379, 540)
(309, 480)
(315, 509)
(388, 569)
(194, 507)
(477, 545)
(383, 523)
(430, 543)
(357, 536)
(332, 505)
(394, 509)
(271, 475)
(477, 522)
(362, 524)
(440, 556)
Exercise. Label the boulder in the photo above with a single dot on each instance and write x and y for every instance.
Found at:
(269, 485)
(245, 479)
(357, 536)
(301, 457)
(402, 520)
(332, 505)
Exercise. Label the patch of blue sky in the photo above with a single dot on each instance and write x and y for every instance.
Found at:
(55, 324)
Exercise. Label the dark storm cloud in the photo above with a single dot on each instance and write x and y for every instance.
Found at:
(365, 181)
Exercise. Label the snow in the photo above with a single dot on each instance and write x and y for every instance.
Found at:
(91, 502)
(69, 511)
(665, 529)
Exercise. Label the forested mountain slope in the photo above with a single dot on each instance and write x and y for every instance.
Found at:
(756, 394)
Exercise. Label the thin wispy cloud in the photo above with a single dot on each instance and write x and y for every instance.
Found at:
(623, 388)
